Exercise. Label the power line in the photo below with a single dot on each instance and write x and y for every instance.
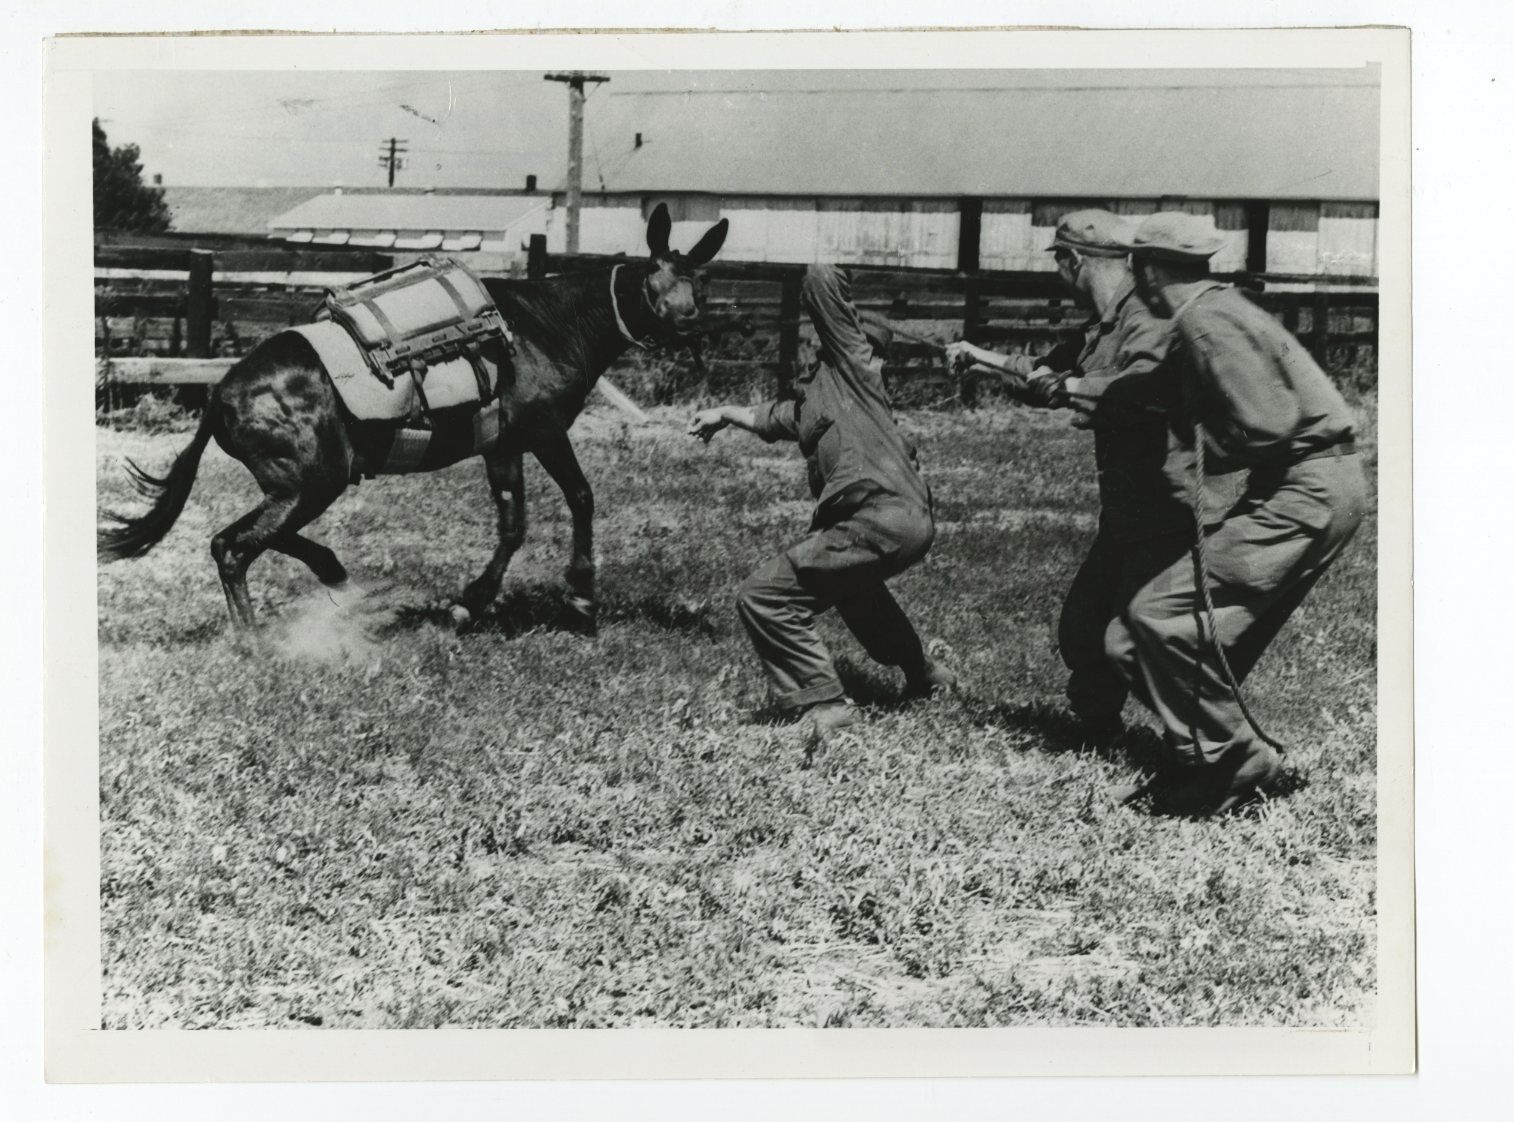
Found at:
(385, 96)
(350, 142)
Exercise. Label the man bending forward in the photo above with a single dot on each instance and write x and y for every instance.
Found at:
(873, 521)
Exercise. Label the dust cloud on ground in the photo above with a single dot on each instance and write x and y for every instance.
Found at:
(336, 624)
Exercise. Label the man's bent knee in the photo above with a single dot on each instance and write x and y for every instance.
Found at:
(754, 601)
(1120, 645)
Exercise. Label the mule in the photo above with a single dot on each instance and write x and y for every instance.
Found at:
(278, 413)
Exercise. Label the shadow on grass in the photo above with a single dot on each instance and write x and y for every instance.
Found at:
(545, 608)
(199, 634)
(1050, 727)
(871, 685)
(1290, 782)
(865, 686)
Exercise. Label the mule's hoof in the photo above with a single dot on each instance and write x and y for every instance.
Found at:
(462, 618)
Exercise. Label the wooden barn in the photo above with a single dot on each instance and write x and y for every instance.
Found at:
(1287, 164)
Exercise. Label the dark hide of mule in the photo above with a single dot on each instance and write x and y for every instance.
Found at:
(277, 412)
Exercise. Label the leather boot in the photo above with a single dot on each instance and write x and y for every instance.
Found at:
(1222, 786)
(932, 680)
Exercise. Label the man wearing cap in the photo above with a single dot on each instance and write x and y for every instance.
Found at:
(1115, 362)
(1252, 400)
(873, 520)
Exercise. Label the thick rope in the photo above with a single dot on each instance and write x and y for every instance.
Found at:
(1200, 524)
(620, 323)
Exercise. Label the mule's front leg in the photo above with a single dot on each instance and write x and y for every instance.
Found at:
(555, 453)
(507, 485)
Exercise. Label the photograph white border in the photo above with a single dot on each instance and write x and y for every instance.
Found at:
(77, 1050)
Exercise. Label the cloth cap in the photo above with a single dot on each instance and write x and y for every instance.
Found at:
(1097, 233)
(1177, 236)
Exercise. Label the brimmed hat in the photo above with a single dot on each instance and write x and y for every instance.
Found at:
(1096, 233)
(1176, 236)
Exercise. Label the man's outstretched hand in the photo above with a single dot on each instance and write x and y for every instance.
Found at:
(707, 422)
(961, 355)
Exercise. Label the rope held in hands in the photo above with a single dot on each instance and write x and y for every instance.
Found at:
(1201, 559)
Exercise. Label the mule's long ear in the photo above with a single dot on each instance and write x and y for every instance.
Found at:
(710, 244)
(659, 226)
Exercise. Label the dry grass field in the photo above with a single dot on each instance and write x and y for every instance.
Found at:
(363, 820)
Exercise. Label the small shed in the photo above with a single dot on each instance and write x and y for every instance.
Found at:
(231, 211)
(452, 222)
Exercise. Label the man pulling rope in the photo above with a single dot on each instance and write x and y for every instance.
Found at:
(1254, 400)
(1110, 370)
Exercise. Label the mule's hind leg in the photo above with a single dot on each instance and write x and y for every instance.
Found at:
(226, 565)
(507, 485)
(555, 453)
(239, 545)
(319, 559)
(273, 524)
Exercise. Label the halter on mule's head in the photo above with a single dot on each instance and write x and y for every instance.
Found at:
(671, 293)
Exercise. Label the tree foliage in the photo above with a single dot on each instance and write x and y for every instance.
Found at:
(122, 200)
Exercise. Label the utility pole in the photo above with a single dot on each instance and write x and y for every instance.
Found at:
(392, 155)
(575, 80)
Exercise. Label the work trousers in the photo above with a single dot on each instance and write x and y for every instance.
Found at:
(1114, 570)
(841, 566)
(1263, 559)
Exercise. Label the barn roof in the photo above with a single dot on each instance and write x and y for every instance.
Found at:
(408, 211)
(1309, 138)
(230, 210)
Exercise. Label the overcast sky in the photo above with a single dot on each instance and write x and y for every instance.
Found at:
(465, 129)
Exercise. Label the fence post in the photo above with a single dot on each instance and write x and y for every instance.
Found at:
(969, 234)
(1258, 219)
(1290, 317)
(536, 257)
(788, 334)
(108, 384)
(972, 308)
(1320, 336)
(199, 306)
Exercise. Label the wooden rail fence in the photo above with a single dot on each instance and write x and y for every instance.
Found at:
(171, 316)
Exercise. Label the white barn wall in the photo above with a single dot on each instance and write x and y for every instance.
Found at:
(605, 225)
(1323, 239)
(1293, 238)
(771, 229)
(1307, 238)
(1348, 239)
(1007, 239)
(920, 234)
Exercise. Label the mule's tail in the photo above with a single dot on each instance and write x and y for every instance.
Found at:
(132, 537)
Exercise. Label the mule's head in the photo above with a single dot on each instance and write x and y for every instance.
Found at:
(674, 285)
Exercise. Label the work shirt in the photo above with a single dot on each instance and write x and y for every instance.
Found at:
(841, 417)
(1126, 398)
(1262, 400)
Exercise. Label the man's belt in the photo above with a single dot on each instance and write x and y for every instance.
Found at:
(1333, 451)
